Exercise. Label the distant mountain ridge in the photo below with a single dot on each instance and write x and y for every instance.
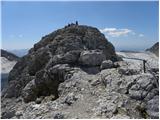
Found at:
(8, 60)
(9, 55)
(19, 52)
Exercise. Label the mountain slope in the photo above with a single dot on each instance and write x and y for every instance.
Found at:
(19, 52)
(9, 55)
(8, 60)
(6, 65)
(154, 49)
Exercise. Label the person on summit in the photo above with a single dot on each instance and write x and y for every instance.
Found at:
(76, 22)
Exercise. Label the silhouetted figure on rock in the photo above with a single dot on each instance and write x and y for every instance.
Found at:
(76, 22)
(72, 24)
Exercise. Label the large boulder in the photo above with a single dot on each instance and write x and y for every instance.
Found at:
(29, 91)
(107, 64)
(91, 58)
(141, 87)
(45, 82)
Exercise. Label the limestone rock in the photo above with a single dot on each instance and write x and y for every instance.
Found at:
(29, 92)
(70, 99)
(91, 58)
(58, 116)
(107, 64)
(152, 107)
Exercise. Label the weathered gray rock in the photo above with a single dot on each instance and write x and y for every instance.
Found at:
(70, 99)
(91, 58)
(70, 57)
(153, 107)
(136, 94)
(58, 116)
(45, 82)
(93, 96)
(39, 60)
(119, 116)
(29, 92)
(107, 64)
(153, 92)
(8, 114)
(142, 87)
(128, 68)
(38, 100)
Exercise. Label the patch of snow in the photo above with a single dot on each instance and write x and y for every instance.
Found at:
(151, 58)
(6, 65)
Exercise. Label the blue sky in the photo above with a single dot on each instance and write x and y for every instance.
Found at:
(128, 25)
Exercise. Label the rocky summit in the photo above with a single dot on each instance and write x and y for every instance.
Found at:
(48, 61)
(74, 72)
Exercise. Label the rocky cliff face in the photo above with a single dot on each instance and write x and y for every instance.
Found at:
(75, 73)
(154, 49)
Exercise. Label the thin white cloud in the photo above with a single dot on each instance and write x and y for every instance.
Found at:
(16, 36)
(114, 32)
(141, 35)
(20, 35)
(133, 33)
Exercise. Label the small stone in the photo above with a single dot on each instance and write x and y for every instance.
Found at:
(38, 100)
(107, 64)
(28, 92)
(95, 82)
(116, 64)
(134, 94)
(8, 114)
(59, 116)
(19, 114)
(70, 99)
